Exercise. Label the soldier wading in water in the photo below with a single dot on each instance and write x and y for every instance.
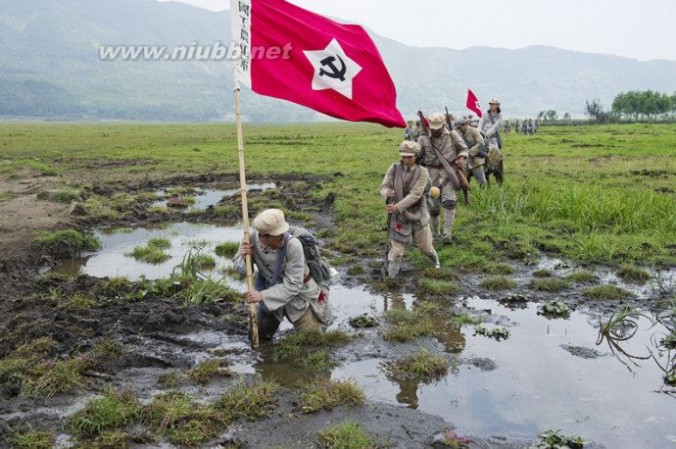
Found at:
(404, 188)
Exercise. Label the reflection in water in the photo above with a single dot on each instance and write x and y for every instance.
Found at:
(408, 392)
(623, 325)
(288, 374)
(394, 301)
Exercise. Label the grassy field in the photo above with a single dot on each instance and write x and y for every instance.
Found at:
(591, 194)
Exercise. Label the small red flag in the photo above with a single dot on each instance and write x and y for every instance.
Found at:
(473, 103)
(290, 53)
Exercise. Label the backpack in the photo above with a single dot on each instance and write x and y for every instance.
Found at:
(320, 270)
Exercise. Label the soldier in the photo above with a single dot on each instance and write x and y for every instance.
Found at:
(451, 147)
(284, 286)
(477, 151)
(404, 189)
(412, 132)
(490, 123)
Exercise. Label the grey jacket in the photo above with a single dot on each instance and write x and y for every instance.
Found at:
(289, 295)
(490, 125)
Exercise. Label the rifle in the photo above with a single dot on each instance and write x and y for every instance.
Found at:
(462, 179)
(452, 177)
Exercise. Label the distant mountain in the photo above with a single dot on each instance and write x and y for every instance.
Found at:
(50, 68)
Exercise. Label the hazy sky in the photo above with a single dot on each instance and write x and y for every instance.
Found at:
(639, 29)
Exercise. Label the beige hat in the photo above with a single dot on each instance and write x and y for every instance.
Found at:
(409, 148)
(270, 221)
(436, 120)
(494, 101)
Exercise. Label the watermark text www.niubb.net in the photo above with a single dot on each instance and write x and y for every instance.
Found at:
(191, 52)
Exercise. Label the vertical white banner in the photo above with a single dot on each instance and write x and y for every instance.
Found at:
(240, 23)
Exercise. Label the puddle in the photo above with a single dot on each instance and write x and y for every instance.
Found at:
(536, 384)
(111, 260)
(204, 198)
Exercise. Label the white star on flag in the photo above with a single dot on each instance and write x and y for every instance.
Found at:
(333, 69)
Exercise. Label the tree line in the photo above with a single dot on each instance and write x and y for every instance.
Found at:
(634, 106)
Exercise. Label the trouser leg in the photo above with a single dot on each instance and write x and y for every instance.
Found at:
(308, 321)
(479, 174)
(395, 257)
(449, 219)
(434, 226)
(423, 240)
(267, 323)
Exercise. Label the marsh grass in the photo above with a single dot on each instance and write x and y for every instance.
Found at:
(37, 371)
(422, 365)
(152, 252)
(77, 301)
(208, 291)
(606, 292)
(633, 274)
(346, 435)
(204, 262)
(7, 195)
(113, 411)
(582, 277)
(310, 348)
(498, 283)
(184, 421)
(64, 195)
(250, 400)
(29, 438)
(551, 285)
(106, 440)
(437, 287)
(206, 370)
(499, 269)
(330, 394)
(227, 249)
(463, 318)
(406, 325)
(66, 243)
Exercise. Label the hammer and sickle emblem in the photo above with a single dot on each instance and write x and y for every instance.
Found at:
(336, 72)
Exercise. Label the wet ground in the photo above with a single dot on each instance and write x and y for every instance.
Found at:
(549, 373)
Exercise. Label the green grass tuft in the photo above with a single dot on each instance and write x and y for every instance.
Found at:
(330, 394)
(606, 292)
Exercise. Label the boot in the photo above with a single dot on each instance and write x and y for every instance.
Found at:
(393, 269)
(449, 219)
(434, 257)
(434, 225)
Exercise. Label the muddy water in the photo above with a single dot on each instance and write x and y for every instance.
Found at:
(537, 384)
(205, 198)
(549, 373)
(112, 260)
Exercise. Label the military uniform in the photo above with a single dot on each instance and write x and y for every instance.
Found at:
(451, 146)
(407, 187)
(293, 294)
(475, 141)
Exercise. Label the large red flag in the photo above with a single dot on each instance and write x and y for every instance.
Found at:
(290, 53)
(473, 103)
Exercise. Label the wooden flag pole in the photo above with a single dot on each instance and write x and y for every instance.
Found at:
(253, 323)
